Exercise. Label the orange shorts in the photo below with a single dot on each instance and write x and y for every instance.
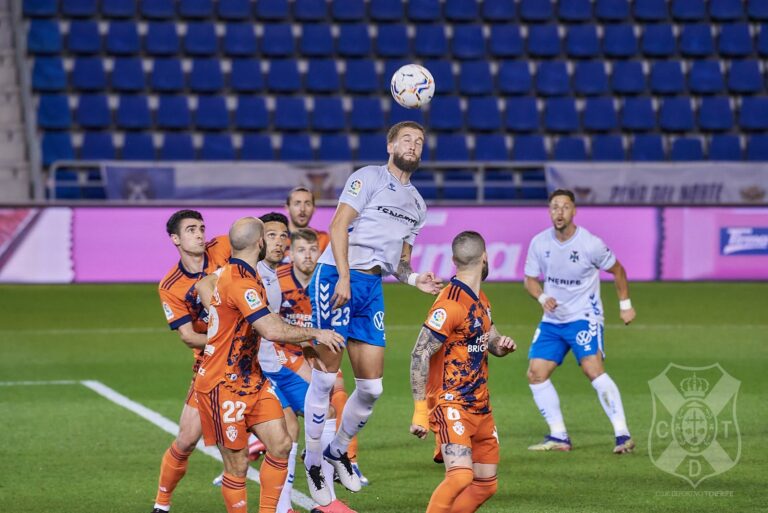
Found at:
(453, 425)
(226, 416)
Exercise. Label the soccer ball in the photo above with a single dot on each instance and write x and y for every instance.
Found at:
(412, 86)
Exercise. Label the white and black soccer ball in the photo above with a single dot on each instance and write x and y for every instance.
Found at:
(412, 86)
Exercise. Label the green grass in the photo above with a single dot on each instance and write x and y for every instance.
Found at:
(66, 449)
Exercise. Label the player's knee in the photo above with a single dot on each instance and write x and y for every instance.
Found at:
(535, 376)
(187, 439)
(323, 381)
(369, 390)
(487, 489)
(281, 446)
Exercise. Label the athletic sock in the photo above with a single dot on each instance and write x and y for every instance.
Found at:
(172, 469)
(234, 492)
(610, 399)
(284, 504)
(545, 396)
(357, 412)
(339, 399)
(474, 495)
(456, 481)
(273, 474)
(329, 432)
(315, 412)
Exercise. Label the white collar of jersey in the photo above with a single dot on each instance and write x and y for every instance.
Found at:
(565, 243)
(264, 267)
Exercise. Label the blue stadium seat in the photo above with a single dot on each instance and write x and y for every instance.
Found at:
(521, 114)
(284, 76)
(211, 113)
(491, 147)
(386, 10)
(361, 77)
(650, 10)
(570, 148)
(48, 74)
(43, 37)
(240, 40)
(757, 10)
(398, 114)
(423, 10)
(536, 10)
(328, 115)
(167, 75)
(392, 41)
(371, 147)
(762, 40)
(667, 77)
(705, 77)
(348, 10)
(162, 38)
(290, 114)
(607, 148)
(40, 8)
(251, 113)
(83, 37)
(97, 146)
(686, 149)
(217, 147)
(272, 10)
(574, 10)
(529, 148)
(696, 40)
(442, 72)
(206, 76)
(676, 114)
(468, 42)
(246, 76)
(735, 40)
(173, 113)
(483, 114)
(658, 40)
(744, 77)
(753, 114)
(628, 77)
(201, 40)
(53, 112)
(366, 114)
(505, 41)
(552, 78)
(715, 114)
(137, 146)
(127, 75)
(430, 40)
(133, 113)
(310, 10)
(445, 114)
(233, 10)
(88, 74)
(322, 76)
(177, 146)
(390, 66)
(647, 147)
(93, 111)
(543, 40)
(196, 8)
(498, 10)
(296, 147)
(277, 40)
(353, 41)
(123, 38)
(726, 10)
(599, 115)
(637, 115)
(724, 147)
(688, 10)
(256, 147)
(619, 41)
(158, 9)
(56, 146)
(612, 10)
(316, 41)
(78, 8)
(334, 147)
(461, 10)
(475, 78)
(757, 147)
(581, 41)
(560, 115)
(589, 78)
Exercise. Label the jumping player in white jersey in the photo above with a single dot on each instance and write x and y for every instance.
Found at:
(569, 259)
(372, 234)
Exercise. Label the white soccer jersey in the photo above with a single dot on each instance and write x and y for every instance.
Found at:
(390, 213)
(267, 353)
(571, 273)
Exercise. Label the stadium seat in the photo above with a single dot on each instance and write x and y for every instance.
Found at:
(726, 10)
(196, 8)
(468, 42)
(762, 40)
(353, 41)
(316, 41)
(647, 147)
(423, 10)
(705, 77)
(93, 111)
(84, 37)
(334, 147)
(233, 10)
(483, 114)
(461, 11)
(676, 114)
(757, 147)
(283, 76)
(552, 78)
(137, 146)
(430, 40)
(127, 75)
(560, 115)
(514, 77)
(56, 146)
(48, 74)
(392, 41)
(753, 114)
(173, 113)
(607, 148)
(574, 10)
(217, 147)
(200, 39)
(491, 147)
(658, 40)
(348, 10)
(97, 146)
(715, 114)
(240, 40)
(451, 147)
(570, 148)
(650, 10)
(167, 75)
(53, 112)
(158, 9)
(310, 10)
(696, 41)
(206, 76)
(589, 78)
(366, 114)
(361, 77)
(177, 146)
(43, 37)
(246, 76)
(133, 113)
(296, 147)
(442, 72)
(475, 78)
(290, 114)
(667, 77)
(536, 10)
(328, 115)
(123, 38)
(543, 40)
(637, 114)
(688, 10)
(251, 113)
(581, 41)
(685, 149)
(724, 147)
(322, 76)
(40, 8)
(162, 38)
(256, 147)
(619, 41)
(386, 10)
(78, 8)
(599, 115)
(529, 148)
(371, 147)
(505, 41)
(735, 40)
(211, 113)
(612, 10)
(744, 77)
(498, 10)
(272, 10)
(277, 40)
(398, 114)
(445, 114)
(522, 114)
(757, 10)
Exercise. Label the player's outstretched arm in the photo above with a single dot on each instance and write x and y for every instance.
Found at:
(626, 312)
(191, 338)
(532, 285)
(205, 288)
(426, 345)
(500, 345)
(339, 233)
(425, 282)
(273, 327)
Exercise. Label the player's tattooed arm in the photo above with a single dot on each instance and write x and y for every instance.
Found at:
(404, 268)
(425, 282)
(426, 345)
(498, 344)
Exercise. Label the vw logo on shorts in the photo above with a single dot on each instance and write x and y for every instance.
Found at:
(378, 320)
(583, 337)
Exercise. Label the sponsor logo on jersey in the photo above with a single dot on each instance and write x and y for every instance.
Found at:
(168, 311)
(378, 320)
(437, 319)
(391, 186)
(253, 299)
(458, 428)
(574, 256)
(743, 241)
(355, 187)
(399, 215)
(232, 433)
(449, 397)
(563, 281)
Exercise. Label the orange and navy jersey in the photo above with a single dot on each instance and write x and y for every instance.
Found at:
(295, 308)
(231, 355)
(219, 250)
(458, 372)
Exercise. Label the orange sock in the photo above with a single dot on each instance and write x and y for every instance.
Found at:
(456, 480)
(172, 469)
(338, 401)
(235, 494)
(273, 473)
(474, 495)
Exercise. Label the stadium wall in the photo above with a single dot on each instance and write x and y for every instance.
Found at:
(92, 245)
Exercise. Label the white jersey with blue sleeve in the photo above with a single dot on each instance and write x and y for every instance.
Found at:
(571, 273)
(389, 213)
(267, 354)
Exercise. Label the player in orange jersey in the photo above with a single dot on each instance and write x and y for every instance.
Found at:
(449, 382)
(234, 398)
(185, 314)
(300, 205)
